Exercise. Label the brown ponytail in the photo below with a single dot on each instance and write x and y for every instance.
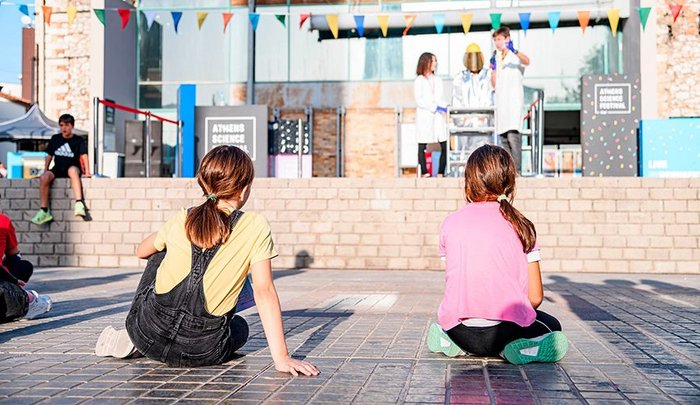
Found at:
(223, 174)
(490, 173)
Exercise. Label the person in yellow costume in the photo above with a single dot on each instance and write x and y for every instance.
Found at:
(471, 88)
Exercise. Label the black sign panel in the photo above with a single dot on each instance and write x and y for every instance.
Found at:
(610, 114)
(241, 126)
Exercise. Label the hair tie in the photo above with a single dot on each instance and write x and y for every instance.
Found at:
(211, 197)
(502, 197)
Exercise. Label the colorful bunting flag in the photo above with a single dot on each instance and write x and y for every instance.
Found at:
(201, 16)
(644, 16)
(466, 21)
(46, 10)
(282, 18)
(150, 17)
(439, 21)
(227, 19)
(360, 24)
(524, 22)
(409, 21)
(254, 19)
(125, 14)
(24, 9)
(584, 17)
(495, 20)
(177, 15)
(303, 18)
(553, 17)
(332, 20)
(383, 23)
(614, 19)
(676, 10)
(100, 14)
(71, 10)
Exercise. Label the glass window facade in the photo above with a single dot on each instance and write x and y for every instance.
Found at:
(217, 61)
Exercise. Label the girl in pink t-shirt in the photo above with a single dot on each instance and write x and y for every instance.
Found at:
(493, 284)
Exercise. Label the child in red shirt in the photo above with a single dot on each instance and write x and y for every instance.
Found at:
(15, 301)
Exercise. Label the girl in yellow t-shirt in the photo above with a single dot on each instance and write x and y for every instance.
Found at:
(183, 313)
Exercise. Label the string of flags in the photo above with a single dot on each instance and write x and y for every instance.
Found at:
(553, 17)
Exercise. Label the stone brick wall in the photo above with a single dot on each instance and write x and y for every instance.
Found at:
(677, 60)
(584, 224)
(64, 62)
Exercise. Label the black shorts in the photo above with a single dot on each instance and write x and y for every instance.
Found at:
(62, 172)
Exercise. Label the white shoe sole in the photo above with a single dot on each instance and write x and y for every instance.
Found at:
(115, 343)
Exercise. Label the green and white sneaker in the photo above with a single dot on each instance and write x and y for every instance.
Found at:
(42, 217)
(439, 342)
(548, 348)
(79, 209)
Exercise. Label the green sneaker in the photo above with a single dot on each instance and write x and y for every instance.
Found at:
(42, 217)
(439, 342)
(79, 209)
(548, 348)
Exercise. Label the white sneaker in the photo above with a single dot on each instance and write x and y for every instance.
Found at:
(40, 305)
(115, 343)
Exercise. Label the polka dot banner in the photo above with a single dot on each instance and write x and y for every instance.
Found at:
(610, 114)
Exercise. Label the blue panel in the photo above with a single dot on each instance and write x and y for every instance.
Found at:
(670, 147)
(186, 99)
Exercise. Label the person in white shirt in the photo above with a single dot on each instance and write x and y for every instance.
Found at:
(508, 65)
(431, 125)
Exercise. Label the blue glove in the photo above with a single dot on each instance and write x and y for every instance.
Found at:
(510, 47)
(441, 109)
(492, 62)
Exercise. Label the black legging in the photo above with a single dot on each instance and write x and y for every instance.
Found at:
(491, 340)
(443, 158)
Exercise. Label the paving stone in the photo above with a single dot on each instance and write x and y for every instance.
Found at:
(632, 338)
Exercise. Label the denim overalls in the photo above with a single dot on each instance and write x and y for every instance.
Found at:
(175, 327)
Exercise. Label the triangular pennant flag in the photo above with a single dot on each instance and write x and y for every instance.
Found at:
(100, 14)
(409, 21)
(254, 19)
(676, 10)
(282, 18)
(227, 19)
(303, 18)
(644, 16)
(360, 24)
(614, 19)
(383, 23)
(24, 9)
(46, 10)
(150, 17)
(439, 21)
(71, 10)
(495, 20)
(524, 22)
(584, 17)
(177, 15)
(466, 21)
(332, 20)
(125, 14)
(553, 17)
(201, 16)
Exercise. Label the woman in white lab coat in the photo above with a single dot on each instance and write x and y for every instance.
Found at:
(431, 112)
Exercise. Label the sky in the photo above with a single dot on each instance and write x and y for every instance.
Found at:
(11, 40)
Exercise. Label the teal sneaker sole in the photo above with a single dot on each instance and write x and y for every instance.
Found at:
(43, 220)
(439, 342)
(549, 348)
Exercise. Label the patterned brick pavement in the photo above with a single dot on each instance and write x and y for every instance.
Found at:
(634, 338)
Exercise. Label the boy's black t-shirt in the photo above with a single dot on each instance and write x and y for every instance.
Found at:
(66, 152)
